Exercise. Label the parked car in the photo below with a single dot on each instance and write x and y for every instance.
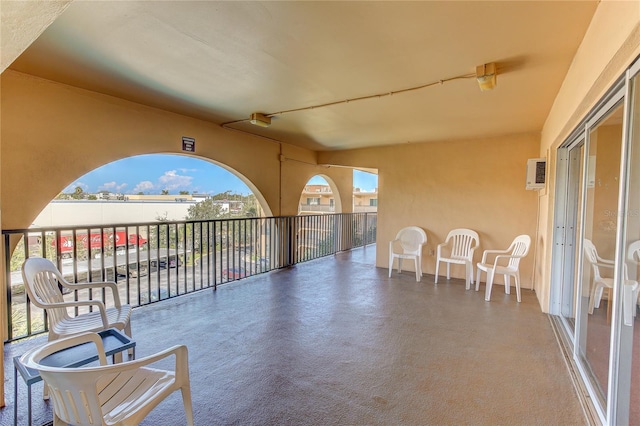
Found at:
(133, 270)
(162, 263)
(234, 273)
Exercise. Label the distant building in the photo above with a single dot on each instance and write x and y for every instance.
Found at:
(319, 199)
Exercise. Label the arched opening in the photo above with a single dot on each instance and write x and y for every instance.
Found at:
(365, 191)
(319, 196)
(178, 187)
(158, 225)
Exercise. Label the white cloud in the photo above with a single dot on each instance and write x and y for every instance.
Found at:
(112, 186)
(188, 170)
(144, 186)
(173, 181)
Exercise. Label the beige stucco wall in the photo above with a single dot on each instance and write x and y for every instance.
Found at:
(476, 184)
(52, 134)
(611, 44)
(23, 22)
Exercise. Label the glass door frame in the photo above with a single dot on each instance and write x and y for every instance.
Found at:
(565, 219)
(622, 336)
(564, 254)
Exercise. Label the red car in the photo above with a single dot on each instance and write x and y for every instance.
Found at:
(233, 273)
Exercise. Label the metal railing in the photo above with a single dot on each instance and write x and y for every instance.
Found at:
(316, 208)
(151, 262)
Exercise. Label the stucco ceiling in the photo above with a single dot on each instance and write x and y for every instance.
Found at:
(222, 61)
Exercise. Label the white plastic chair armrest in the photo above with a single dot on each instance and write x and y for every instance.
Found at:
(486, 252)
(605, 265)
(78, 303)
(502, 256)
(82, 286)
(181, 361)
(604, 261)
(439, 248)
(471, 253)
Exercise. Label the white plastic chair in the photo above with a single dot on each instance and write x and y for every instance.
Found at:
(458, 248)
(41, 279)
(507, 263)
(408, 245)
(630, 287)
(631, 291)
(598, 282)
(110, 394)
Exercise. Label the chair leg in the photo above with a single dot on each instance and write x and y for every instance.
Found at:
(487, 293)
(517, 277)
(478, 279)
(188, 406)
(418, 275)
(448, 271)
(399, 265)
(468, 276)
(627, 302)
(437, 268)
(598, 298)
(592, 299)
(390, 265)
(507, 284)
(127, 331)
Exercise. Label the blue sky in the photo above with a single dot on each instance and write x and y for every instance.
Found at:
(152, 173)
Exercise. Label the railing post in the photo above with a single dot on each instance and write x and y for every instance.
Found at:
(291, 240)
(365, 234)
(7, 282)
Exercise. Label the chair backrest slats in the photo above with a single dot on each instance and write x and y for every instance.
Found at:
(41, 279)
(592, 257)
(519, 249)
(462, 241)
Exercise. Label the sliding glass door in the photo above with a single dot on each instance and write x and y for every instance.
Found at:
(597, 237)
(626, 407)
(596, 261)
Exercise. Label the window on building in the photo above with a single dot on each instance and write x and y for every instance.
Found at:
(373, 202)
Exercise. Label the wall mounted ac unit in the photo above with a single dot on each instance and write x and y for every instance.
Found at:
(536, 173)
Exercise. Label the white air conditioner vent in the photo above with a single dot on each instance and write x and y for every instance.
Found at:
(536, 173)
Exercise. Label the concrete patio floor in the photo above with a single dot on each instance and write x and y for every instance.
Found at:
(336, 342)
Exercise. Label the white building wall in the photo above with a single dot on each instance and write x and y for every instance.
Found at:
(73, 213)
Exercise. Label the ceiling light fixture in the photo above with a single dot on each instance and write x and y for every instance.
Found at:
(486, 76)
(258, 119)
